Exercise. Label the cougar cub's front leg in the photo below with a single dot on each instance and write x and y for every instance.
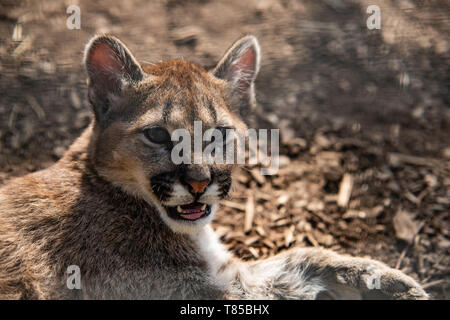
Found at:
(308, 273)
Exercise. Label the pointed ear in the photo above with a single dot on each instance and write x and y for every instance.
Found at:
(110, 67)
(239, 67)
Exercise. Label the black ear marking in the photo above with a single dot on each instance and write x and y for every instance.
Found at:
(239, 67)
(109, 65)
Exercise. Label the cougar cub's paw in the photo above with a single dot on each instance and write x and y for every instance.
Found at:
(345, 277)
(393, 284)
(375, 280)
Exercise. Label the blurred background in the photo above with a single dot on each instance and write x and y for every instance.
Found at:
(364, 115)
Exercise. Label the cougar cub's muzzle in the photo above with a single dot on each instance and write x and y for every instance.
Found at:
(189, 193)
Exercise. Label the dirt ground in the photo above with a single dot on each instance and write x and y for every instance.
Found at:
(364, 114)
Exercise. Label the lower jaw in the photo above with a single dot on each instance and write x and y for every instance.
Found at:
(190, 217)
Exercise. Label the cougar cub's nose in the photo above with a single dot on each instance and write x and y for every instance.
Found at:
(197, 179)
(198, 186)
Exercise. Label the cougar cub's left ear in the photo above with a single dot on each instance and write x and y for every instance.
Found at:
(110, 67)
(239, 67)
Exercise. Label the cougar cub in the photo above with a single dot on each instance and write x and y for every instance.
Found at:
(135, 223)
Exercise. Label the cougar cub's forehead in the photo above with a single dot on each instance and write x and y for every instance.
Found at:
(177, 93)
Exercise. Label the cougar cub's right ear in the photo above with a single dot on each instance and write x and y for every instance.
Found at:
(239, 67)
(110, 67)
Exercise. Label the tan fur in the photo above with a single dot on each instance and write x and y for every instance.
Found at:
(98, 207)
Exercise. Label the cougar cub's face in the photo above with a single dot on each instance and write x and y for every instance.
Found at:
(137, 109)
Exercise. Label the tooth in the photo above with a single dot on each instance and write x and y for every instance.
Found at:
(204, 207)
(179, 209)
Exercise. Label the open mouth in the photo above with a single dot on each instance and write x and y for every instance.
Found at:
(191, 212)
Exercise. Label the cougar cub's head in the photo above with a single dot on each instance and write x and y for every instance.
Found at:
(137, 108)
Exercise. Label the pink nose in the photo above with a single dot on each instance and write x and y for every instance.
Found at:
(198, 186)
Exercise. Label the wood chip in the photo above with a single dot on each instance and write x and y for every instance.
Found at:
(17, 32)
(328, 219)
(75, 99)
(34, 104)
(375, 211)
(329, 159)
(235, 235)
(330, 198)
(354, 214)
(253, 252)
(405, 227)
(412, 198)
(283, 199)
(315, 205)
(249, 212)
(396, 159)
(268, 243)
(435, 283)
(251, 240)
(221, 231)
(281, 223)
(300, 237)
(325, 239)
(261, 231)
(313, 240)
(300, 203)
(186, 34)
(289, 236)
(25, 45)
(345, 190)
(257, 176)
(234, 205)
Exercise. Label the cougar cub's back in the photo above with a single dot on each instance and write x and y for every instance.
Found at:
(116, 205)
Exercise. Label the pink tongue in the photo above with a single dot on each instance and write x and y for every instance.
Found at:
(193, 216)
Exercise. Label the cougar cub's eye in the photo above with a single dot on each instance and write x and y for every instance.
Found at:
(157, 135)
